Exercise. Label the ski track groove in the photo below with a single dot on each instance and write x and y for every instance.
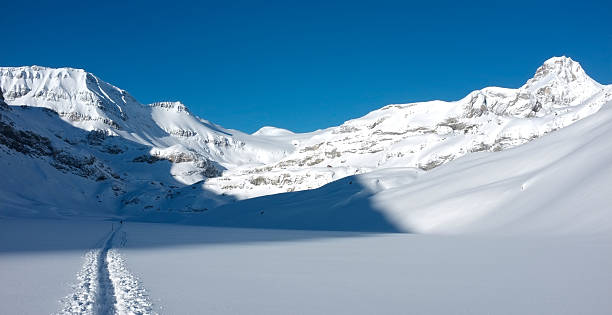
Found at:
(105, 298)
(105, 285)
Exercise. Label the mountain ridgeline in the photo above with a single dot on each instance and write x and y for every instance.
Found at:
(73, 144)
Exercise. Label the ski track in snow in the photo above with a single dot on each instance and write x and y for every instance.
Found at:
(83, 299)
(105, 297)
(105, 285)
(131, 296)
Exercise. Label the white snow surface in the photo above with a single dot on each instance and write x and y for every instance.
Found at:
(178, 269)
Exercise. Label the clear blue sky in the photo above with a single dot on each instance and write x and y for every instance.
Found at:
(309, 64)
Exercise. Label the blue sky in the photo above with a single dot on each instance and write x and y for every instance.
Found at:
(305, 65)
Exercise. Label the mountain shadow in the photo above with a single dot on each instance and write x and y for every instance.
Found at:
(343, 205)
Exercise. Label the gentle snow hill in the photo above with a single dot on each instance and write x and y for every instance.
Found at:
(272, 131)
(558, 184)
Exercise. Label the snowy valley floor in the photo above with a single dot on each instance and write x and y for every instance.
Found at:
(45, 266)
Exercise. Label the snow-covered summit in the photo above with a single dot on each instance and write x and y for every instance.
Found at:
(559, 83)
(560, 68)
(72, 93)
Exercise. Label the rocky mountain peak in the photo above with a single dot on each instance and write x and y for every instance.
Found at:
(561, 70)
(558, 83)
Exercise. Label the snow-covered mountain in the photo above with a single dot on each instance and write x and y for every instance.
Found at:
(86, 144)
(428, 134)
(86, 102)
(557, 184)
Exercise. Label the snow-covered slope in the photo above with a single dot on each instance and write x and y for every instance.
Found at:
(558, 184)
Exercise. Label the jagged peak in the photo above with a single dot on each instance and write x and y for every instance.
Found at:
(563, 70)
